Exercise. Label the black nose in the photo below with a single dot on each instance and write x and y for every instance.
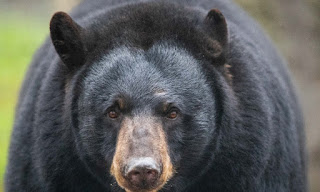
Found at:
(143, 173)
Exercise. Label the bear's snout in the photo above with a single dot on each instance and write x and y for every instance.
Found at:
(141, 161)
(143, 173)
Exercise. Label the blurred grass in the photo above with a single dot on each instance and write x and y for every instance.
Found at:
(20, 35)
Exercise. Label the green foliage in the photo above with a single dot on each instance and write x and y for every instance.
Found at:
(19, 38)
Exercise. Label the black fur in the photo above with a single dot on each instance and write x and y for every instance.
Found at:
(67, 37)
(243, 133)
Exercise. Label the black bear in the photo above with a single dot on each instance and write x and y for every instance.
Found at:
(146, 96)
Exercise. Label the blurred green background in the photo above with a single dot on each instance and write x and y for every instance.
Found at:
(294, 26)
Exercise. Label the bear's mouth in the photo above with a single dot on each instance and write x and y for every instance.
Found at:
(141, 162)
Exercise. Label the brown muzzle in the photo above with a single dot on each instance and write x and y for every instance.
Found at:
(141, 161)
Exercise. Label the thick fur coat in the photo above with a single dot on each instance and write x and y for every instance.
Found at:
(239, 127)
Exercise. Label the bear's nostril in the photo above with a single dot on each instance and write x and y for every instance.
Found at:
(143, 173)
(135, 177)
(152, 175)
(135, 173)
(151, 172)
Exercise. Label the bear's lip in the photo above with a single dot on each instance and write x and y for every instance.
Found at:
(132, 188)
(141, 190)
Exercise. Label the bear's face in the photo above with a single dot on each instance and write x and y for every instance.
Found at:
(145, 116)
(140, 93)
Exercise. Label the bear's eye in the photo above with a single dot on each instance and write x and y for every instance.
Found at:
(173, 113)
(113, 114)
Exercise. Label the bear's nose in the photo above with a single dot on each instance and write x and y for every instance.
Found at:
(143, 173)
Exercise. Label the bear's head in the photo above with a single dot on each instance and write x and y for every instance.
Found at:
(141, 93)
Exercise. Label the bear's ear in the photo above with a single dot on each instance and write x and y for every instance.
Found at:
(66, 36)
(216, 27)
